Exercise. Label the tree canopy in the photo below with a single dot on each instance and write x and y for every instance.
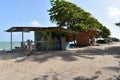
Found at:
(105, 32)
(65, 13)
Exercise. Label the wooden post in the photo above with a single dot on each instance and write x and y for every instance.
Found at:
(22, 37)
(47, 44)
(35, 41)
(48, 41)
(11, 41)
(94, 43)
(63, 43)
(22, 44)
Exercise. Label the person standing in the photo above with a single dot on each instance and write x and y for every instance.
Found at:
(94, 41)
(28, 47)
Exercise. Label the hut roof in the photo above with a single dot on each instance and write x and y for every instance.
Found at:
(27, 29)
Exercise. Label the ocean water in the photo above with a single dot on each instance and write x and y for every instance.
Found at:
(7, 45)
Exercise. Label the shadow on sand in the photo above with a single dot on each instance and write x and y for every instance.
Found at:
(96, 51)
(115, 69)
(55, 76)
(51, 76)
(84, 78)
(94, 77)
(69, 56)
(65, 55)
(7, 56)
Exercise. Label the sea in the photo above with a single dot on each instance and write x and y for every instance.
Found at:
(7, 45)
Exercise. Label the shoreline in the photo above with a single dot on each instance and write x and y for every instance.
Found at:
(7, 45)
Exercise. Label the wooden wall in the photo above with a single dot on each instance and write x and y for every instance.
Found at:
(83, 37)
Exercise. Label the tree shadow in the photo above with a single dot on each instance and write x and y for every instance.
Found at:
(86, 57)
(7, 56)
(112, 68)
(65, 55)
(91, 51)
(114, 50)
(45, 77)
(54, 76)
(114, 77)
(94, 77)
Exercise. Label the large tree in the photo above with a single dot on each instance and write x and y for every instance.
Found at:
(68, 14)
(64, 13)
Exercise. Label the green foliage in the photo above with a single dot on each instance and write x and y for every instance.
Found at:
(115, 39)
(63, 13)
(68, 14)
(105, 32)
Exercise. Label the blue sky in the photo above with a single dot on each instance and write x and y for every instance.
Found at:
(34, 13)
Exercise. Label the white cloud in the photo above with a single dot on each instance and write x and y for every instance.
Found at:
(35, 23)
(114, 13)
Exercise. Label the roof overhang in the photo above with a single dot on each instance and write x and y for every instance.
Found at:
(27, 29)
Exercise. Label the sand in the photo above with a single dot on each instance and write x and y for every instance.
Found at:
(84, 63)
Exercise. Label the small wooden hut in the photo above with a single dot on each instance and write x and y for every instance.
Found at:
(50, 38)
(87, 38)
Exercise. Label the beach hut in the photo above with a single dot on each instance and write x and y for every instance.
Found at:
(87, 37)
(47, 38)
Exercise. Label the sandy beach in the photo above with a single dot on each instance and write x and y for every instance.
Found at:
(84, 63)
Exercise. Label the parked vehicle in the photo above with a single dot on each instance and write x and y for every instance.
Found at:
(102, 40)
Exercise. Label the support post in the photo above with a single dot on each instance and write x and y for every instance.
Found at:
(11, 41)
(22, 44)
(22, 37)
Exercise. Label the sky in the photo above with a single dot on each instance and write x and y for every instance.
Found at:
(34, 13)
